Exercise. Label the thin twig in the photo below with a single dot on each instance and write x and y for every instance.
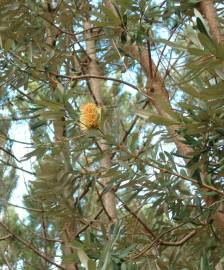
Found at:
(16, 167)
(27, 245)
(5, 237)
(86, 76)
(164, 170)
(87, 225)
(7, 262)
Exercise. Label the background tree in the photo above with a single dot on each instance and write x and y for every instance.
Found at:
(124, 101)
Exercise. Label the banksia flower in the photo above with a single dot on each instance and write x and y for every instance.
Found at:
(89, 116)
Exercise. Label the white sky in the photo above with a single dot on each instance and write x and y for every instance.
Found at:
(20, 132)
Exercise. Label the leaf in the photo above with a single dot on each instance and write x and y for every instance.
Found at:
(220, 51)
(208, 44)
(105, 259)
(124, 253)
(198, 52)
(219, 72)
(60, 88)
(201, 26)
(83, 257)
(3, 28)
(37, 152)
(189, 89)
(52, 115)
(157, 119)
(37, 124)
(49, 104)
(204, 264)
(134, 139)
(91, 265)
(171, 44)
(109, 15)
(71, 258)
(30, 52)
(125, 20)
(201, 23)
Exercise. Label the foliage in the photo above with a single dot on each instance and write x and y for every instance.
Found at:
(165, 217)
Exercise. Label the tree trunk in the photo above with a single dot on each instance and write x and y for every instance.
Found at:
(108, 197)
(68, 231)
(209, 12)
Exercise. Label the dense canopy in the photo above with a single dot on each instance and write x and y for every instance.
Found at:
(119, 107)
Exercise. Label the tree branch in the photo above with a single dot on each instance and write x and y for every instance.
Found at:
(108, 198)
(208, 10)
(27, 245)
(6, 237)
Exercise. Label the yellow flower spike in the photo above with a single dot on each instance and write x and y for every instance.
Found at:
(89, 116)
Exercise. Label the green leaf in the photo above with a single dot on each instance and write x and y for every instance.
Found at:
(91, 265)
(208, 44)
(60, 88)
(157, 119)
(134, 139)
(84, 259)
(109, 15)
(198, 52)
(49, 104)
(171, 44)
(204, 264)
(189, 89)
(3, 28)
(201, 26)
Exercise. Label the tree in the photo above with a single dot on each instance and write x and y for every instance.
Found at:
(124, 100)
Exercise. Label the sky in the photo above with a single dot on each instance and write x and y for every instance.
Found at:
(20, 132)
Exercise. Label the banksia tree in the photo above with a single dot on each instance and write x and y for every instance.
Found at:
(140, 187)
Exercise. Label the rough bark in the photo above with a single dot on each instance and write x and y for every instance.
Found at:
(156, 87)
(108, 198)
(209, 12)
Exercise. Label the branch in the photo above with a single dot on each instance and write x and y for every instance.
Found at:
(93, 76)
(208, 10)
(8, 152)
(7, 262)
(146, 228)
(87, 225)
(27, 208)
(163, 170)
(150, 232)
(108, 198)
(180, 242)
(166, 243)
(140, 54)
(27, 245)
(6, 237)
(16, 167)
